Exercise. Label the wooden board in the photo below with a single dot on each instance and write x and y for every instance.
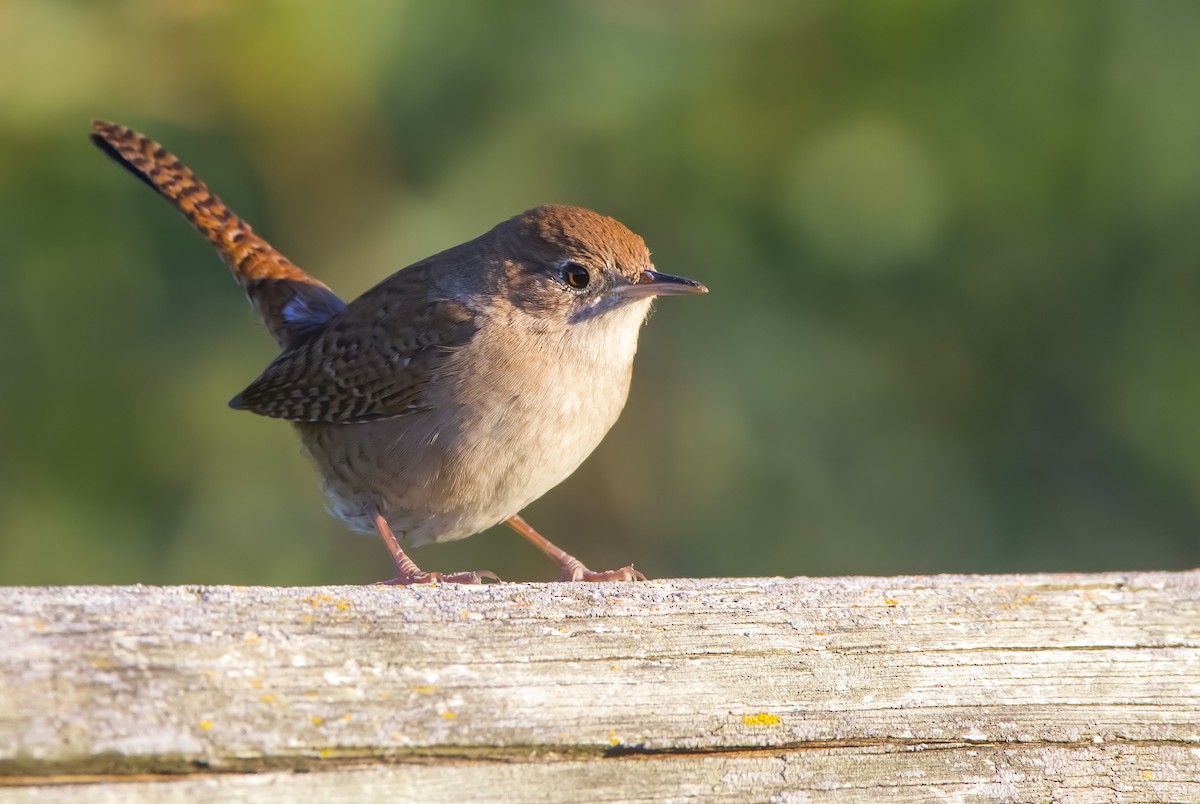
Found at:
(1065, 687)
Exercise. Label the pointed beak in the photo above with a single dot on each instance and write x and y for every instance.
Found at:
(653, 283)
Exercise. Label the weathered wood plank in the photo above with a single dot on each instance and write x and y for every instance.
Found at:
(999, 687)
(869, 775)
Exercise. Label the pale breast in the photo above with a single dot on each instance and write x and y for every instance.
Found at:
(509, 420)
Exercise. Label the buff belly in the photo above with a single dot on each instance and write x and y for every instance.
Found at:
(481, 451)
(433, 484)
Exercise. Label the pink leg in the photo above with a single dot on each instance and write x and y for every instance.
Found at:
(410, 573)
(572, 568)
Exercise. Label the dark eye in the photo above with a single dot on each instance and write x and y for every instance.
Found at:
(575, 276)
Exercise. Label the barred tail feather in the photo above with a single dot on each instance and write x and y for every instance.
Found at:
(291, 302)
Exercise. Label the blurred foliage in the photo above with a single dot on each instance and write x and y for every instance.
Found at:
(955, 311)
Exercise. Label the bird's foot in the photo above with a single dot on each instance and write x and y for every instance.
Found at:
(573, 570)
(420, 576)
(410, 573)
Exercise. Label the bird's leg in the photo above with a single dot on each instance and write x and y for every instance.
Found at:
(410, 573)
(572, 568)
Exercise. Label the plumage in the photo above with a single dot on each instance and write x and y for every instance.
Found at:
(456, 391)
(374, 360)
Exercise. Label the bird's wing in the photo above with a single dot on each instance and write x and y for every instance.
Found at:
(374, 360)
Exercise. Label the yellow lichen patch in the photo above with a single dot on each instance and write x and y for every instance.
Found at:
(101, 664)
(310, 693)
(449, 715)
(820, 633)
(317, 720)
(256, 683)
(317, 600)
(343, 606)
(1027, 599)
(761, 719)
(423, 690)
(324, 753)
(891, 601)
(347, 717)
(267, 699)
(615, 667)
(206, 724)
(612, 737)
(1147, 775)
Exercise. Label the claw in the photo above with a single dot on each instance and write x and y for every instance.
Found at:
(574, 570)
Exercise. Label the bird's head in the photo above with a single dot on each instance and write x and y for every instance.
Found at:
(571, 265)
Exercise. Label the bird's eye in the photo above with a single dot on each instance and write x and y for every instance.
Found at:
(575, 276)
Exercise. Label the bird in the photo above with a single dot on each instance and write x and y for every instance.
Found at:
(455, 392)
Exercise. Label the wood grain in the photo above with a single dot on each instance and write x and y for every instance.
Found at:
(1064, 687)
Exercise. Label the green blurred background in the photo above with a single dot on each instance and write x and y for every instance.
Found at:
(955, 313)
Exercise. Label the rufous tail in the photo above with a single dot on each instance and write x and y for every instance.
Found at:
(291, 302)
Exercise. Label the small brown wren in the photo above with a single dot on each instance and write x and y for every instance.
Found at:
(458, 390)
